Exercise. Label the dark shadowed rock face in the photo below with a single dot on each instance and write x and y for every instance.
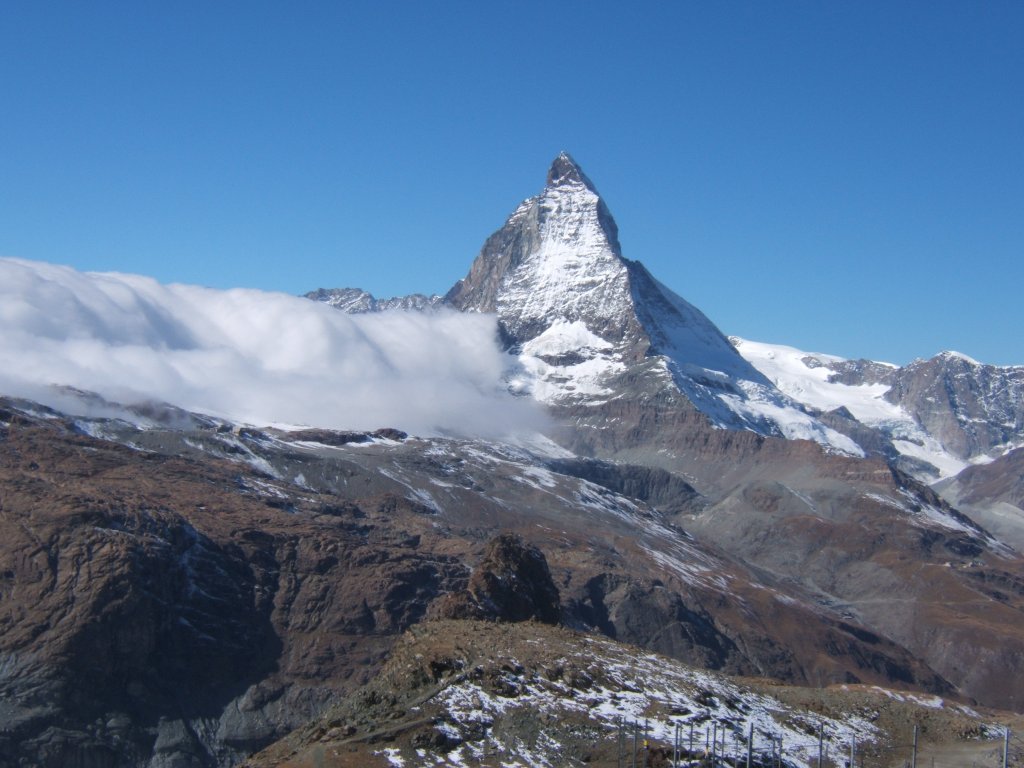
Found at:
(165, 612)
(653, 485)
(511, 583)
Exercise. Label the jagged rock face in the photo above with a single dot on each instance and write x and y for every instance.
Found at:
(556, 259)
(855, 372)
(972, 409)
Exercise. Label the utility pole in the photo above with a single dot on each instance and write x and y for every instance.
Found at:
(1006, 747)
(714, 744)
(913, 756)
(636, 735)
(750, 744)
(853, 751)
(821, 743)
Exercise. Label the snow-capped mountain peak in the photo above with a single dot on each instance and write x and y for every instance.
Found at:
(557, 257)
(555, 276)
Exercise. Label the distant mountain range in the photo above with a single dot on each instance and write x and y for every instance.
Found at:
(184, 588)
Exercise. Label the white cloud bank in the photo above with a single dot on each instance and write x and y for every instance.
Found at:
(251, 356)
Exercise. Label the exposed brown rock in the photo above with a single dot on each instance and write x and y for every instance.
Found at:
(511, 583)
(156, 594)
(201, 609)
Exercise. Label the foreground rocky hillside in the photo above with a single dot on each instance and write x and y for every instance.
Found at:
(527, 695)
(157, 610)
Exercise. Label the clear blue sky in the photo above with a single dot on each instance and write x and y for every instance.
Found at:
(845, 177)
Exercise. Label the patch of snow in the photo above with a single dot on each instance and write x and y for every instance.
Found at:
(804, 376)
(552, 384)
(927, 448)
(953, 354)
(938, 517)
(423, 496)
(793, 423)
(887, 501)
(562, 337)
(263, 488)
(393, 756)
(628, 687)
(544, 478)
(920, 699)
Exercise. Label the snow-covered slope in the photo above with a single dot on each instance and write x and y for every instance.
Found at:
(949, 412)
(581, 317)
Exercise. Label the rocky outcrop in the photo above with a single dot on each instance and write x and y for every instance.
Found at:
(511, 583)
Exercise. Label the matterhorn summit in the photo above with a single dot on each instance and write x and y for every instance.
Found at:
(588, 324)
(557, 260)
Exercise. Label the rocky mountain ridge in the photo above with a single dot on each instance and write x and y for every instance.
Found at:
(935, 416)
(190, 595)
(357, 301)
(464, 693)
